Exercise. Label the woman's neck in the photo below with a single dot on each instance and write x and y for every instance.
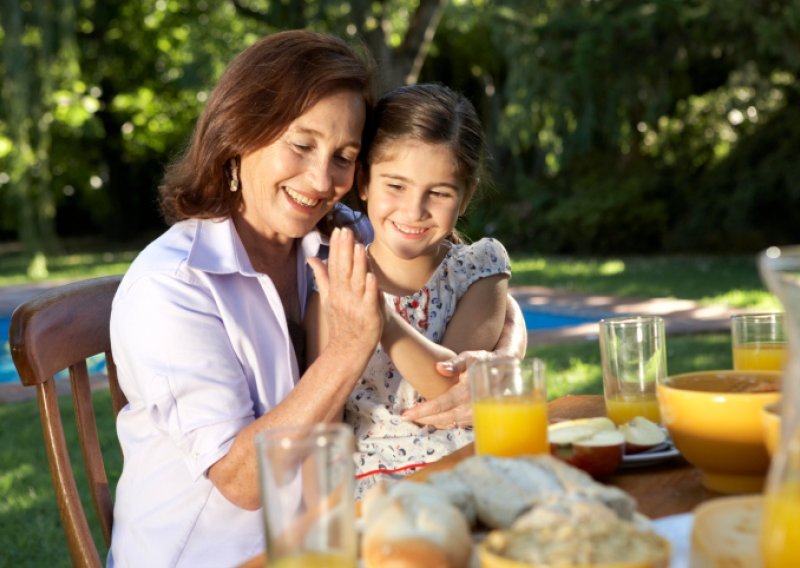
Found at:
(403, 276)
(267, 254)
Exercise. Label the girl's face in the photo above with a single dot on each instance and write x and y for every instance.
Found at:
(290, 184)
(413, 199)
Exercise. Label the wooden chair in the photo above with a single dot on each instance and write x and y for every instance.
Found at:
(57, 330)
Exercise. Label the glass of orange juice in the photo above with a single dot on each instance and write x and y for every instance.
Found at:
(307, 476)
(634, 357)
(509, 406)
(758, 341)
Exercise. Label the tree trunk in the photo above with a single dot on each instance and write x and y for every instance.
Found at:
(30, 191)
(397, 66)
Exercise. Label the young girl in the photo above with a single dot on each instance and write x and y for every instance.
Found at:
(422, 164)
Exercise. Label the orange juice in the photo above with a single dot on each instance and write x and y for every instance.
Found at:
(510, 426)
(780, 536)
(622, 409)
(314, 560)
(759, 356)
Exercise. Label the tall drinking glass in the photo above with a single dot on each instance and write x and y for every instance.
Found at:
(758, 341)
(307, 482)
(634, 358)
(780, 270)
(509, 406)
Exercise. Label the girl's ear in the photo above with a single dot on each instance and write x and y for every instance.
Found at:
(466, 197)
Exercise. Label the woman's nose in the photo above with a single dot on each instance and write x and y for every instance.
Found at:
(322, 175)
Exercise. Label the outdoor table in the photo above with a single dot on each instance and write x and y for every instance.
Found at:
(668, 488)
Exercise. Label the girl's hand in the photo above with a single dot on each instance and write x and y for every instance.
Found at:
(348, 295)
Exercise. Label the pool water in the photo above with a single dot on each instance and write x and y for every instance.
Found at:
(535, 320)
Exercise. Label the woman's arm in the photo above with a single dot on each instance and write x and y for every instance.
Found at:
(349, 298)
(476, 324)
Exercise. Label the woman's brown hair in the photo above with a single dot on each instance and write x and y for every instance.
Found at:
(264, 88)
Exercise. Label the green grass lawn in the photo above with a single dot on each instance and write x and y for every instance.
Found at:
(31, 534)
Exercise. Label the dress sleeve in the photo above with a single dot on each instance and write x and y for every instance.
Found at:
(487, 257)
(178, 368)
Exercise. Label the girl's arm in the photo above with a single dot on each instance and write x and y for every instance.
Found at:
(476, 324)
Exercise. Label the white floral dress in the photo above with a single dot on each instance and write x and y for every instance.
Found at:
(388, 446)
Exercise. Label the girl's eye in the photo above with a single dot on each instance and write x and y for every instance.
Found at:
(442, 194)
(301, 147)
(394, 186)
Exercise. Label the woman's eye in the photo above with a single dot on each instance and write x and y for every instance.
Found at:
(344, 160)
(301, 147)
(394, 186)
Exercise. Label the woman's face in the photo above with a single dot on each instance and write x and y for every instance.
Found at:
(290, 184)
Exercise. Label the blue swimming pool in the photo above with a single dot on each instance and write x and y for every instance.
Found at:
(536, 319)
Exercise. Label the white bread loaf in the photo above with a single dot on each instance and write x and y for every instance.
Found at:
(411, 525)
(505, 488)
(725, 533)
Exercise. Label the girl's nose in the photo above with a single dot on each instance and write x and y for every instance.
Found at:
(415, 206)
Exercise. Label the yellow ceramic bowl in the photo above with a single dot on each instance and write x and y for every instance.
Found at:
(771, 419)
(715, 421)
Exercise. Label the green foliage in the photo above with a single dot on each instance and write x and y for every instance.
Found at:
(648, 126)
(614, 126)
(32, 534)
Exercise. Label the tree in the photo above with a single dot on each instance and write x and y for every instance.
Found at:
(398, 34)
(39, 36)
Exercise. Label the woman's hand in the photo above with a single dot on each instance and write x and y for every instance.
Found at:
(349, 295)
(454, 407)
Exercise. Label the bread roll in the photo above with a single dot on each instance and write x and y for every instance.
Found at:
(725, 533)
(410, 525)
(505, 488)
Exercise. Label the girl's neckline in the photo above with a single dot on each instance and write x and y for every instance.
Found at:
(439, 267)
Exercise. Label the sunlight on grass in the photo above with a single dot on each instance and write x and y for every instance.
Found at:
(69, 266)
(750, 299)
(611, 267)
(574, 368)
(730, 280)
(578, 377)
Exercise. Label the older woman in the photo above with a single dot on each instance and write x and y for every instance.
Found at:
(205, 325)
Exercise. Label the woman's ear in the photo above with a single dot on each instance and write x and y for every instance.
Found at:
(362, 181)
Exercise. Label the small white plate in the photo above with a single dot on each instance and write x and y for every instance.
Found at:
(660, 454)
(677, 529)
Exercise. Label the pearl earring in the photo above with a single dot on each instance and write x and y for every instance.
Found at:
(234, 186)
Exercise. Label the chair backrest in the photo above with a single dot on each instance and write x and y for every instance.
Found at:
(60, 329)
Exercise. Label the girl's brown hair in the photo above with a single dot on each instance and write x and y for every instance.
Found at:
(433, 114)
(264, 89)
